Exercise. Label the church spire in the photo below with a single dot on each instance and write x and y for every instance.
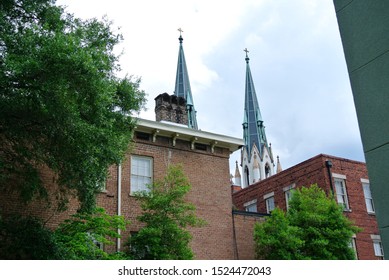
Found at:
(257, 157)
(182, 88)
(253, 128)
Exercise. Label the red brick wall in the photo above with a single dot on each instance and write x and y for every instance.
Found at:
(46, 209)
(314, 171)
(244, 236)
(209, 176)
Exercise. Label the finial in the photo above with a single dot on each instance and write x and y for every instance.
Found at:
(247, 57)
(180, 38)
(279, 168)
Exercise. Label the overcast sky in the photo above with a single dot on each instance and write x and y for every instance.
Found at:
(296, 60)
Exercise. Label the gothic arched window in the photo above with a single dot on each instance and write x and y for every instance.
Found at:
(267, 170)
(246, 176)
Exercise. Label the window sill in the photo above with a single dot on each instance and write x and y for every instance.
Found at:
(102, 191)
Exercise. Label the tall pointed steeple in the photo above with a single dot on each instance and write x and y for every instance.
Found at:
(182, 88)
(257, 158)
(253, 128)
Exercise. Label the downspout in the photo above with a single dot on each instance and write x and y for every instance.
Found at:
(329, 165)
(119, 210)
(236, 253)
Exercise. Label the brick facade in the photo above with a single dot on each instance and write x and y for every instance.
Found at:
(205, 160)
(243, 229)
(211, 197)
(314, 171)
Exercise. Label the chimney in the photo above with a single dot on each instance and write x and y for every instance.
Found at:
(171, 108)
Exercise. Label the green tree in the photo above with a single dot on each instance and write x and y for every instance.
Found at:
(81, 237)
(166, 216)
(277, 238)
(26, 238)
(84, 235)
(313, 228)
(61, 102)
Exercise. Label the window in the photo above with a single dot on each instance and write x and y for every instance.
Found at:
(340, 188)
(102, 186)
(200, 147)
(98, 244)
(353, 245)
(141, 173)
(269, 199)
(378, 250)
(142, 136)
(368, 197)
(288, 194)
(267, 170)
(251, 206)
(246, 176)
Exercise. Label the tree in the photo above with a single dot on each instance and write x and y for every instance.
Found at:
(166, 216)
(313, 228)
(26, 238)
(61, 104)
(277, 239)
(83, 236)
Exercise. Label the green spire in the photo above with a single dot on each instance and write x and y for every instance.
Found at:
(253, 128)
(182, 88)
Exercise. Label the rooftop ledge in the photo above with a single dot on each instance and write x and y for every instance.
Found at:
(185, 133)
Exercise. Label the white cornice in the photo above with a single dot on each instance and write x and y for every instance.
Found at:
(188, 134)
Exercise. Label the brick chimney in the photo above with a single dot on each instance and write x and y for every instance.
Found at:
(171, 108)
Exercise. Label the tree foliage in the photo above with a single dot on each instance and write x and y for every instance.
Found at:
(61, 102)
(277, 238)
(81, 237)
(313, 228)
(84, 235)
(166, 216)
(26, 238)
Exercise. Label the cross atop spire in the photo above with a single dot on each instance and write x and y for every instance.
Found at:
(180, 38)
(247, 56)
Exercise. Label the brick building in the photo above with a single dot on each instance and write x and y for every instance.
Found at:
(205, 160)
(203, 155)
(349, 181)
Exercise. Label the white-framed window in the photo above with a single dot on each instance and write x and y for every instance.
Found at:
(353, 246)
(269, 199)
(288, 194)
(368, 198)
(251, 206)
(102, 186)
(378, 250)
(340, 189)
(141, 173)
(97, 243)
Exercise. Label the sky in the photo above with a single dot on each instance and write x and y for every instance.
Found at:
(296, 60)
